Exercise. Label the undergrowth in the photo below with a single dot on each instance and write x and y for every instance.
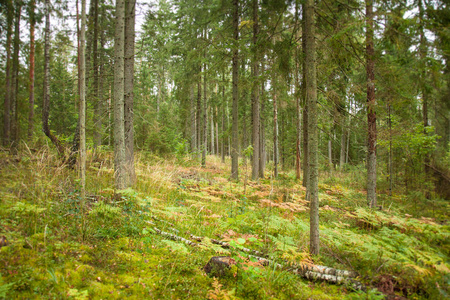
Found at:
(109, 249)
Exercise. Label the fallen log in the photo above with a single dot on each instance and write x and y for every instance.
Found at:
(310, 272)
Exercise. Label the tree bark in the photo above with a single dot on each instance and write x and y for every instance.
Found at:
(371, 115)
(255, 95)
(128, 89)
(32, 52)
(224, 103)
(82, 114)
(297, 101)
(7, 103)
(205, 121)
(46, 102)
(199, 111)
(305, 106)
(15, 80)
(97, 101)
(235, 141)
(262, 145)
(275, 128)
(311, 96)
(119, 124)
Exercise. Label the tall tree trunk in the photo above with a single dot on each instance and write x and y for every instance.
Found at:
(8, 85)
(305, 107)
(82, 114)
(211, 114)
(205, 120)
(217, 131)
(235, 138)
(32, 50)
(297, 101)
(193, 120)
(390, 150)
(311, 96)
(330, 153)
(371, 115)
(119, 124)
(224, 104)
(275, 128)
(76, 137)
(15, 80)
(128, 89)
(46, 102)
(97, 101)
(275, 137)
(425, 96)
(255, 95)
(199, 112)
(262, 138)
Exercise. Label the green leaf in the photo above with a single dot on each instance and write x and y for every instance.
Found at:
(240, 241)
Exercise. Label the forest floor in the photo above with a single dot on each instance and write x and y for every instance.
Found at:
(53, 247)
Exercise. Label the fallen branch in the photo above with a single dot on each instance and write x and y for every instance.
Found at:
(175, 237)
(310, 272)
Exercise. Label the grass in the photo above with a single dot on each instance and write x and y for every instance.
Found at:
(116, 254)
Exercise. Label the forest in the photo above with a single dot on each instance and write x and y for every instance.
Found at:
(225, 149)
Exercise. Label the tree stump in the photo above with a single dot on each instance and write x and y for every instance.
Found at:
(219, 266)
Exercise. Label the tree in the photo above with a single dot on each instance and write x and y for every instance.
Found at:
(128, 89)
(255, 96)
(119, 124)
(46, 102)
(7, 103)
(82, 114)
(311, 96)
(15, 79)
(32, 5)
(235, 66)
(371, 115)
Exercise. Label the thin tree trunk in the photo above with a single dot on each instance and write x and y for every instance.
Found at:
(305, 108)
(343, 139)
(205, 120)
(119, 122)
(297, 100)
(76, 137)
(97, 100)
(199, 112)
(15, 80)
(224, 104)
(330, 153)
(425, 96)
(193, 120)
(275, 130)
(217, 131)
(32, 51)
(371, 115)
(311, 96)
(255, 96)
(46, 102)
(211, 113)
(82, 113)
(235, 141)
(130, 14)
(390, 149)
(262, 138)
(8, 86)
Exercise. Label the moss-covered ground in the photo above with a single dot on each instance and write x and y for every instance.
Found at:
(56, 247)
